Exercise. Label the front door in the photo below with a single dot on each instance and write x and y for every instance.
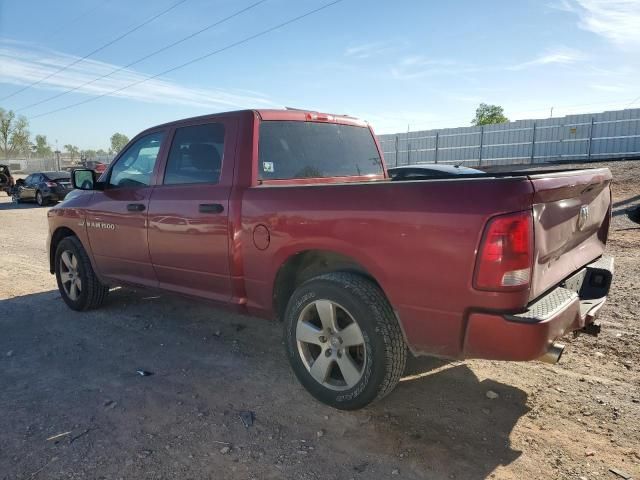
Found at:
(188, 212)
(116, 220)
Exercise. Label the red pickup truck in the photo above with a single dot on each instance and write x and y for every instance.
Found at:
(291, 215)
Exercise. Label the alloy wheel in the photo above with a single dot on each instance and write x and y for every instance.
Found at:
(70, 275)
(331, 345)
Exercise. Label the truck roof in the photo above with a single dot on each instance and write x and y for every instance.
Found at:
(290, 114)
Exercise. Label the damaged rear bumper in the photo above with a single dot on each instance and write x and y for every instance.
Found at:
(572, 305)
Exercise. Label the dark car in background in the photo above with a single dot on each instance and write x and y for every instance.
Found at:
(6, 180)
(419, 171)
(43, 187)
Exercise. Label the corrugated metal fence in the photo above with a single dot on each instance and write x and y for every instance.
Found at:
(32, 165)
(583, 137)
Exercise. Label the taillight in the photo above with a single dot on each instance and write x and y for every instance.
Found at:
(319, 117)
(505, 254)
(52, 184)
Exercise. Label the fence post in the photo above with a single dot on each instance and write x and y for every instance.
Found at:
(396, 150)
(590, 138)
(533, 144)
(436, 154)
(481, 142)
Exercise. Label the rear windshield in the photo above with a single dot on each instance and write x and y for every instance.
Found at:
(53, 176)
(289, 149)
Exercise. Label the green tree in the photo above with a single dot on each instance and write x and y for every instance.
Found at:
(14, 133)
(488, 115)
(42, 146)
(72, 150)
(118, 141)
(89, 154)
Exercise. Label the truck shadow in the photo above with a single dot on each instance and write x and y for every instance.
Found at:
(440, 412)
(207, 365)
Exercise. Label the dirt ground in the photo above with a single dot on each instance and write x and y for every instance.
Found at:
(74, 374)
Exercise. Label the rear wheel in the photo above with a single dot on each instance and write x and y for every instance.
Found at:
(343, 340)
(40, 199)
(78, 284)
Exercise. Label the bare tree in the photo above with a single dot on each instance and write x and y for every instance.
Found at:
(14, 133)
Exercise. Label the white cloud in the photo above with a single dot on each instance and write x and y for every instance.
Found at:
(563, 6)
(22, 65)
(374, 49)
(561, 56)
(365, 50)
(615, 20)
(418, 66)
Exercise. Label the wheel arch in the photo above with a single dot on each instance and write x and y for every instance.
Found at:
(306, 264)
(58, 235)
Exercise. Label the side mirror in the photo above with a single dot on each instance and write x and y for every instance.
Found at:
(84, 179)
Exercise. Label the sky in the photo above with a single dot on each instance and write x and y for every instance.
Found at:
(406, 64)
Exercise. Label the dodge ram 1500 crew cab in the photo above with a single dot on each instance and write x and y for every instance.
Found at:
(290, 214)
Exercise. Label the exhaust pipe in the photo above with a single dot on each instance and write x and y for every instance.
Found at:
(553, 354)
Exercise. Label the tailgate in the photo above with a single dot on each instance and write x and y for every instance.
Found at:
(571, 221)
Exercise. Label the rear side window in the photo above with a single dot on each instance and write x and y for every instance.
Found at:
(196, 155)
(289, 149)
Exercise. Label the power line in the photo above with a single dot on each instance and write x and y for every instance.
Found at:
(102, 47)
(55, 33)
(135, 62)
(197, 59)
(634, 101)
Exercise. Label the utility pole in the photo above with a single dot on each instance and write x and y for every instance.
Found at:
(551, 114)
(57, 152)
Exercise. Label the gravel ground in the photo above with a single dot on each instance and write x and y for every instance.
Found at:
(74, 376)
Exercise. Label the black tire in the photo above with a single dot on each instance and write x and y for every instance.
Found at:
(384, 353)
(40, 200)
(92, 293)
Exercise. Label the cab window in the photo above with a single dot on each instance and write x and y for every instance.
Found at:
(196, 155)
(135, 166)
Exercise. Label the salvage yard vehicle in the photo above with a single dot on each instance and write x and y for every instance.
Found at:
(43, 187)
(298, 220)
(6, 180)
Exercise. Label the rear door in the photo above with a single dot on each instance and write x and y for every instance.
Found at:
(188, 212)
(571, 220)
(117, 216)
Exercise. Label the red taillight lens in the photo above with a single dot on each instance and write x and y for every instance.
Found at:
(52, 184)
(319, 117)
(505, 254)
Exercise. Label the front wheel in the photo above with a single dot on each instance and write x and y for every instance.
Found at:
(78, 284)
(343, 340)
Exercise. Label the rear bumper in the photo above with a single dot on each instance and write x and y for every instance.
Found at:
(529, 334)
(56, 195)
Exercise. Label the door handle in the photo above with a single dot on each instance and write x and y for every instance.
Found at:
(211, 208)
(135, 207)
